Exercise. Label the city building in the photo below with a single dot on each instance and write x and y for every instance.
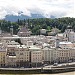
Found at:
(71, 37)
(47, 55)
(36, 56)
(18, 56)
(24, 32)
(54, 31)
(2, 57)
(66, 55)
(69, 34)
(22, 56)
(37, 50)
(66, 45)
(42, 31)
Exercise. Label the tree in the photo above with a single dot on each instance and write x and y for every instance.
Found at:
(63, 28)
(19, 41)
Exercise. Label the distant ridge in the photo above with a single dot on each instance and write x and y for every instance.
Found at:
(21, 17)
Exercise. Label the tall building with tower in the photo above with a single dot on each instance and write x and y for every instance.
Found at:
(67, 31)
(69, 34)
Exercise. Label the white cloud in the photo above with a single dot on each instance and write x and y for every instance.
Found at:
(57, 8)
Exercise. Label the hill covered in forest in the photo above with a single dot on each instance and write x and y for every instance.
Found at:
(39, 23)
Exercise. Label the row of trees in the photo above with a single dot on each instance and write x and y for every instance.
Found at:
(36, 24)
(6, 25)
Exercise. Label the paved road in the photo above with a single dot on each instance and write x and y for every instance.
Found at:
(19, 68)
(64, 65)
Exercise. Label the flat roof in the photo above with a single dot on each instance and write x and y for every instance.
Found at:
(12, 56)
(34, 48)
(65, 42)
(2, 49)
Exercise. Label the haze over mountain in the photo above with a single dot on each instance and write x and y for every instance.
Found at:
(22, 17)
(13, 9)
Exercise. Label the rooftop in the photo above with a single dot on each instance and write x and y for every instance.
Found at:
(65, 43)
(2, 50)
(13, 43)
(34, 48)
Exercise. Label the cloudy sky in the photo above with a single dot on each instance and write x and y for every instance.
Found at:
(57, 8)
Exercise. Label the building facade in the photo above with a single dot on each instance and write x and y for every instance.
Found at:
(36, 56)
(2, 57)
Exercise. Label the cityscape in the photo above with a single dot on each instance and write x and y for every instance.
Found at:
(26, 50)
(37, 37)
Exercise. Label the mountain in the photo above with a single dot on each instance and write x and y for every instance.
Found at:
(21, 17)
(13, 18)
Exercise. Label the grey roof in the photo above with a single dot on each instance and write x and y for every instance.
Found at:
(2, 50)
(24, 29)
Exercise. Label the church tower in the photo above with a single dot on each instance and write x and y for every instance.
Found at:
(67, 31)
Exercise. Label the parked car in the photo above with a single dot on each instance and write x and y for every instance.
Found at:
(45, 65)
(55, 64)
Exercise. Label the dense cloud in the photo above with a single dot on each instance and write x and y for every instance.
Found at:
(47, 8)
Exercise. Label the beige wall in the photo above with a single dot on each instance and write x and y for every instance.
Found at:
(59, 55)
(22, 55)
(47, 56)
(36, 56)
(2, 58)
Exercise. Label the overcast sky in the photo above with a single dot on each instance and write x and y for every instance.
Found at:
(57, 8)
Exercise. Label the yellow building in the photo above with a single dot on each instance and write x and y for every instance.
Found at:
(2, 57)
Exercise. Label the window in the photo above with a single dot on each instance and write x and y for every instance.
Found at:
(21, 53)
(27, 57)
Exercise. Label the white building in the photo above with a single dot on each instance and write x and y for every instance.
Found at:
(22, 56)
(71, 36)
(65, 55)
(42, 31)
(11, 61)
(47, 55)
(36, 56)
(18, 56)
(66, 45)
(67, 31)
(29, 43)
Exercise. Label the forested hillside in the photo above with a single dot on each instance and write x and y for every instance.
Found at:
(36, 24)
